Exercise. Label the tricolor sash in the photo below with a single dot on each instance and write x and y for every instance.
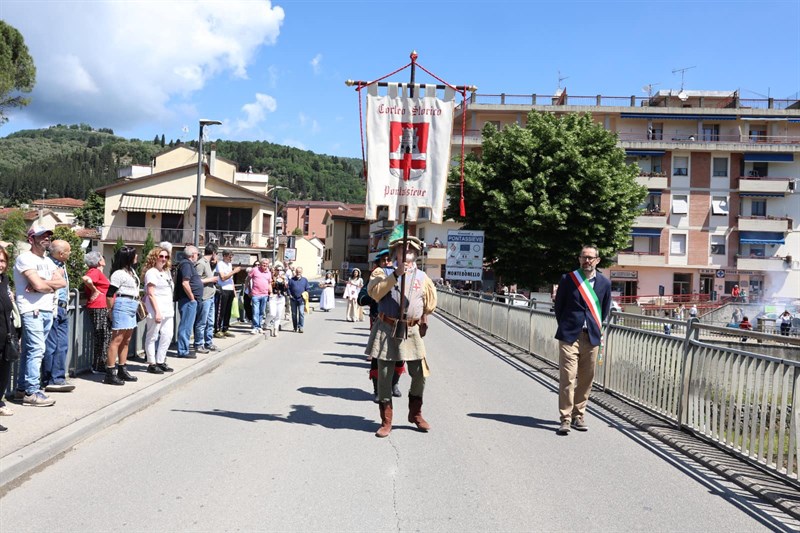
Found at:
(589, 296)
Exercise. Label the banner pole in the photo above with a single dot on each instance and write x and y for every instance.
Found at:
(404, 216)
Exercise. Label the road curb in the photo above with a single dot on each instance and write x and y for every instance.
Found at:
(16, 466)
(761, 483)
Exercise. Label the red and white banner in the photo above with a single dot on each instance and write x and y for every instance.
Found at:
(408, 150)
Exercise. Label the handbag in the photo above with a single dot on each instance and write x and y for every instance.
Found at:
(11, 349)
(235, 307)
(141, 311)
(423, 325)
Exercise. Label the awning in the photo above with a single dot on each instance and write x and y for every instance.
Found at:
(769, 158)
(761, 237)
(645, 152)
(666, 116)
(762, 194)
(646, 232)
(655, 192)
(143, 203)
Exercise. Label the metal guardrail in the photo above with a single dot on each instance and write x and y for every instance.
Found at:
(685, 372)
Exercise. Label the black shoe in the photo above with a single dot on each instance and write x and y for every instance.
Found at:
(3, 429)
(164, 367)
(111, 377)
(187, 356)
(124, 375)
(155, 369)
(396, 391)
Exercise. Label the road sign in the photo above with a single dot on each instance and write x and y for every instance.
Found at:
(464, 255)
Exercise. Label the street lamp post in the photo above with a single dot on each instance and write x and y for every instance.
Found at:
(203, 123)
(275, 222)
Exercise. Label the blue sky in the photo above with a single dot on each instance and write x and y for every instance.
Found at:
(275, 71)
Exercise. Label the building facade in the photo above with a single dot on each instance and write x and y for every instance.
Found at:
(722, 177)
(346, 241)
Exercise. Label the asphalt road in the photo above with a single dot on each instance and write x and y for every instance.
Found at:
(280, 438)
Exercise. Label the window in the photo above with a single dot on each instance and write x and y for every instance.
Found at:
(680, 204)
(652, 203)
(678, 244)
(658, 131)
(718, 245)
(710, 132)
(719, 205)
(136, 220)
(720, 168)
(656, 164)
(758, 134)
(680, 166)
(758, 208)
(757, 250)
(266, 224)
(760, 170)
(495, 123)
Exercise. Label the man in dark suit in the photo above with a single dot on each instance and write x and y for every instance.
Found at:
(583, 301)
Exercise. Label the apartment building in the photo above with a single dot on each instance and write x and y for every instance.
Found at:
(722, 177)
(308, 215)
(346, 241)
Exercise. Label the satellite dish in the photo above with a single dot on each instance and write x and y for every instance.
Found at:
(682, 96)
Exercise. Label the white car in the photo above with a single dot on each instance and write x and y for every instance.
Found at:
(616, 307)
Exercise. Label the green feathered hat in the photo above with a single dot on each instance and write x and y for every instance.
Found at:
(396, 239)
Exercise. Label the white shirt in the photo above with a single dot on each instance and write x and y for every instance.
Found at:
(27, 298)
(224, 268)
(162, 283)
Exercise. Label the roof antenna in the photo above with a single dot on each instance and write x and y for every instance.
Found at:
(681, 94)
(561, 78)
(649, 88)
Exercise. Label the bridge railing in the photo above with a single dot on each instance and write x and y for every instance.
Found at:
(703, 378)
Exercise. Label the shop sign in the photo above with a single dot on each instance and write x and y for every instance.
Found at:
(624, 274)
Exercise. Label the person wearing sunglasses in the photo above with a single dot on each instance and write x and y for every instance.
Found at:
(583, 300)
(160, 310)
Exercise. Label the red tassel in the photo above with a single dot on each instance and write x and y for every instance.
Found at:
(463, 208)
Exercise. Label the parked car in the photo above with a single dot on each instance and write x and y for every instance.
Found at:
(517, 300)
(616, 307)
(314, 291)
(338, 289)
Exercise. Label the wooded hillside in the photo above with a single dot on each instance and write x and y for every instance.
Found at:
(69, 161)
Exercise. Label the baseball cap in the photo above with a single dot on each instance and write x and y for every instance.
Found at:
(36, 231)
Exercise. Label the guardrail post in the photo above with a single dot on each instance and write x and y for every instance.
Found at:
(692, 331)
(612, 319)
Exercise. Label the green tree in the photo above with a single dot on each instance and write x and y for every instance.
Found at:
(93, 211)
(543, 190)
(118, 245)
(17, 71)
(75, 265)
(297, 232)
(14, 231)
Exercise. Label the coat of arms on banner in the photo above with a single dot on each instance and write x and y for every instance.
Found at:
(408, 147)
(408, 151)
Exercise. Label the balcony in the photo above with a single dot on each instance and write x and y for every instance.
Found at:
(774, 224)
(651, 220)
(380, 226)
(181, 237)
(653, 180)
(435, 254)
(763, 264)
(640, 259)
(754, 185)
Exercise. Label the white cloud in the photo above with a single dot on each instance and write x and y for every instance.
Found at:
(295, 143)
(308, 122)
(118, 63)
(316, 63)
(256, 112)
(273, 74)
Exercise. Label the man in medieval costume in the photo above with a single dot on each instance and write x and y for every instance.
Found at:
(397, 335)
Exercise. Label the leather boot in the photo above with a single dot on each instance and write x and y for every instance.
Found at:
(375, 391)
(124, 375)
(415, 413)
(111, 377)
(386, 419)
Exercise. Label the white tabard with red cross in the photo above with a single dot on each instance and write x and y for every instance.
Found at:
(408, 150)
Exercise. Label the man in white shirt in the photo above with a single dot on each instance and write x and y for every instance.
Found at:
(225, 272)
(36, 279)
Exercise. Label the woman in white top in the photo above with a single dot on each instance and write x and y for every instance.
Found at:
(326, 300)
(351, 291)
(160, 310)
(123, 299)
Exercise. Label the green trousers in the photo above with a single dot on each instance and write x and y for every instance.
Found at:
(386, 371)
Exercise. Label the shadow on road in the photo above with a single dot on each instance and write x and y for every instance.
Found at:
(353, 333)
(360, 357)
(350, 393)
(345, 363)
(517, 420)
(359, 344)
(300, 414)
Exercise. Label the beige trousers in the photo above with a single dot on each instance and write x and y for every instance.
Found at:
(576, 363)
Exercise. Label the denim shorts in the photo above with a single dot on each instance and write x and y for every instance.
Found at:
(123, 314)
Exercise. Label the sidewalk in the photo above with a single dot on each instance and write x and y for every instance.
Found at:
(38, 435)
